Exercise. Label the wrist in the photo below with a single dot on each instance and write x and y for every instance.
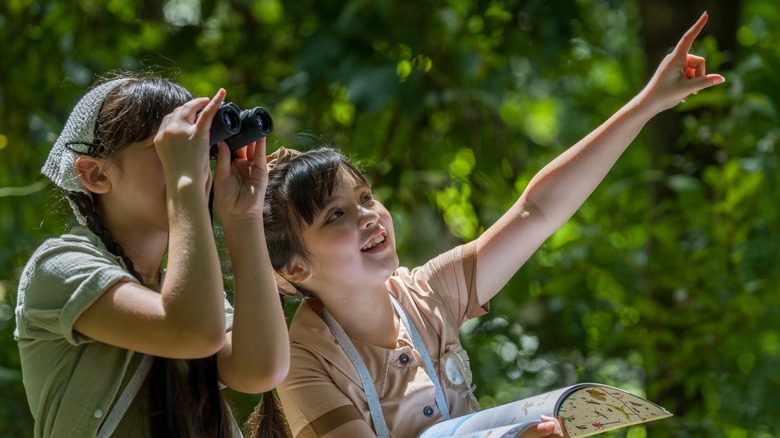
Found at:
(644, 105)
(239, 227)
(186, 194)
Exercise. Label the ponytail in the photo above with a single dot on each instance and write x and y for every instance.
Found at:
(267, 420)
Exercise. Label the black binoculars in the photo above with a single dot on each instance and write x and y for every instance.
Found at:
(238, 128)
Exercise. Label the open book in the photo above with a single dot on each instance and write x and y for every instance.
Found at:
(586, 409)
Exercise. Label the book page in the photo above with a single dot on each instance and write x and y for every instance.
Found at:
(593, 409)
(514, 413)
(512, 431)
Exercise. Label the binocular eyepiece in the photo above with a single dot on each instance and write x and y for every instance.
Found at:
(238, 128)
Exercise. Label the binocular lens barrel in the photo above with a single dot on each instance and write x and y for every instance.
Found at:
(226, 123)
(256, 123)
(239, 128)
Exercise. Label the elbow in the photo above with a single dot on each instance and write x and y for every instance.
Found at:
(197, 331)
(263, 377)
(546, 215)
(213, 342)
(199, 343)
(278, 373)
(273, 376)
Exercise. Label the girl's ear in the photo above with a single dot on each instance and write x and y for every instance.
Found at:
(296, 271)
(92, 175)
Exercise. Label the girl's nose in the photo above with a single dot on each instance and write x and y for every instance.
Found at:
(368, 217)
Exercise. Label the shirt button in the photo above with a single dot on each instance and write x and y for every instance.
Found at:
(404, 359)
(98, 413)
(428, 411)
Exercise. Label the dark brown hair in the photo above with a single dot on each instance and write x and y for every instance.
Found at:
(179, 406)
(297, 191)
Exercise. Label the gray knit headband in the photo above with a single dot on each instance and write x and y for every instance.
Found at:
(76, 138)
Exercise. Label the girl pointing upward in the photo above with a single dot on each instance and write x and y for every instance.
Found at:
(375, 348)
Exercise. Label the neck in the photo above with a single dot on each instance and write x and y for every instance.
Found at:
(146, 251)
(145, 246)
(367, 317)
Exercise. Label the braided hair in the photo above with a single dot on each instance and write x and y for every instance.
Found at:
(179, 405)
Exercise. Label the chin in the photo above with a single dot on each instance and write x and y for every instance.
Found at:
(394, 266)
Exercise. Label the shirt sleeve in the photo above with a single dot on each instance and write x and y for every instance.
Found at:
(451, 278)
(313, 404)
(62, 279)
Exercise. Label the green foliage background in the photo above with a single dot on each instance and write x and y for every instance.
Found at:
(665, 282)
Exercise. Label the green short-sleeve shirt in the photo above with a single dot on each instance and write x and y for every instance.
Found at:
(71, 381)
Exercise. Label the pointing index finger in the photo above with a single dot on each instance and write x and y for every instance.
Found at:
(208, 112)
(684, 46)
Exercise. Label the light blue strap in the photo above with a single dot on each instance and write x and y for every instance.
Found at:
(378, 417)
(441, 402)
(126, 398)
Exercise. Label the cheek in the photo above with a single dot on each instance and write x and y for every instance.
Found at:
(387, 220)
(151, 168)
(156, 181)
(340, 245)
(333, 248)
(156, 173)
(152, 184)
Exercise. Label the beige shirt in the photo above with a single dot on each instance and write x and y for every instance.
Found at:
(323, 390)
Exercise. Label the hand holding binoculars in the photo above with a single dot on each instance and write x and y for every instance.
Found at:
(238, 128)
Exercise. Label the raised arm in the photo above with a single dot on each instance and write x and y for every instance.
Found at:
(256, 356)
(186, 319)
(563, 185)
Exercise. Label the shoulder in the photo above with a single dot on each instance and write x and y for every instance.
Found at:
(443, 289)
(60, 259)
(440, 273)
(79, 243)
(457, 258)
(313, 348)
(310, 336)
(64, 276)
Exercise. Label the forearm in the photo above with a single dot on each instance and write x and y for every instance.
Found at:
(563, 185)
(553, 196)
(192, 289)
(258, 357)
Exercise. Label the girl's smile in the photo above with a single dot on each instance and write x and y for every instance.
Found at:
(351, 243)
(376, 242)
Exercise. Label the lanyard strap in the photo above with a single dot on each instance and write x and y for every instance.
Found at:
(380, 426)
(417, 341)
(126, 398)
